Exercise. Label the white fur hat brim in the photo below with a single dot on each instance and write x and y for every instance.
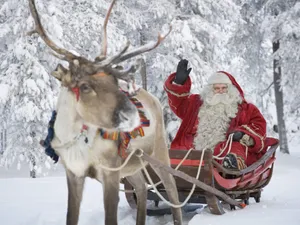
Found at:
(219, 78)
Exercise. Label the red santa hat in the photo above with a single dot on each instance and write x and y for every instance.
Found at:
(219, 78)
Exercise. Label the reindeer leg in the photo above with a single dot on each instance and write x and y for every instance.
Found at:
(170, 186)
(110, 183)
(138, 182)
(75, 189)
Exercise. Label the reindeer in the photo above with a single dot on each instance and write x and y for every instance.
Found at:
(90, 98)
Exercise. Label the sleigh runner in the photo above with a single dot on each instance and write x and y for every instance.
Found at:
(238, 185)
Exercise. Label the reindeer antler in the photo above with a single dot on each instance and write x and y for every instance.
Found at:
(41, 31)
(107, 64)
(146, 48)
(122, 56)
(104, 33)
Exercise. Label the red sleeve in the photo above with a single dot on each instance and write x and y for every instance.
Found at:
(178, 95)
(255, 128)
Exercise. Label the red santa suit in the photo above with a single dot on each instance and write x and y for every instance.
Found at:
(190, 109)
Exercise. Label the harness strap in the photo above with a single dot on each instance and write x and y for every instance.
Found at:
(125, 137)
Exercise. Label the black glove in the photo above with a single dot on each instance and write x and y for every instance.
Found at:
(47, 142)
(182, 72)
(237, 136)
(51, 153)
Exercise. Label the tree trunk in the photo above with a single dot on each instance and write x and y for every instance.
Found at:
(177, 3)
(142, 62)
(3, 141)
(32, 172)
(279, 100)
(143, 72)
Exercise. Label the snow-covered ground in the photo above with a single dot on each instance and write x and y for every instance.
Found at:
(43, 201)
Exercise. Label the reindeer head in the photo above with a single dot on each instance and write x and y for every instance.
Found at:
(94, 84)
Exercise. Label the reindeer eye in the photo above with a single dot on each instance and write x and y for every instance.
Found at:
(85, 88)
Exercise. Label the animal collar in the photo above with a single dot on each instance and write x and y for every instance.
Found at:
(124, 137)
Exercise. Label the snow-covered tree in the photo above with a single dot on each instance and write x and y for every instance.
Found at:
(27, 91)
(283, 29)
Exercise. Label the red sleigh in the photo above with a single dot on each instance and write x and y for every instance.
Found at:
(238, 185)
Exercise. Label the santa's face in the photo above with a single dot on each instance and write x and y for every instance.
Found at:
(220, 94)
(220, 88)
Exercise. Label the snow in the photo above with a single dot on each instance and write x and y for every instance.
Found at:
(4, 92)
(43, 201)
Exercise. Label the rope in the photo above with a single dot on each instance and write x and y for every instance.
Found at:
(123, 164)
(246, 149)
(158, 183)
(157, 192)
(229, 141)
(176, 168)
(72, 142)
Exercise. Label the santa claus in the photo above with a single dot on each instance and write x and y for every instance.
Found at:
(218, 119)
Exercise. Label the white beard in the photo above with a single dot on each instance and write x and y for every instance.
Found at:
(214, 117)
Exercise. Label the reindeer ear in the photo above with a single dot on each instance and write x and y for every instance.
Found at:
(62, 74)
(59, 72)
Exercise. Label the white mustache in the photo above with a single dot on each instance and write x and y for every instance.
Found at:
(219, 98)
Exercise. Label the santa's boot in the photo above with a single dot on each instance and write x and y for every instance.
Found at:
(232, 161)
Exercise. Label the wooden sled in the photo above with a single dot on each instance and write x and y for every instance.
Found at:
(239, 185)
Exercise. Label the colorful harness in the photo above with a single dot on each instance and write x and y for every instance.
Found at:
(124, 137)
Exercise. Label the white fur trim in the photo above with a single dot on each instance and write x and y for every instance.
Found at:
(177, 95)
(219, 78)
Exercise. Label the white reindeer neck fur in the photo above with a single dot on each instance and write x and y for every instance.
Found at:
(67, 118)
(69, 141)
